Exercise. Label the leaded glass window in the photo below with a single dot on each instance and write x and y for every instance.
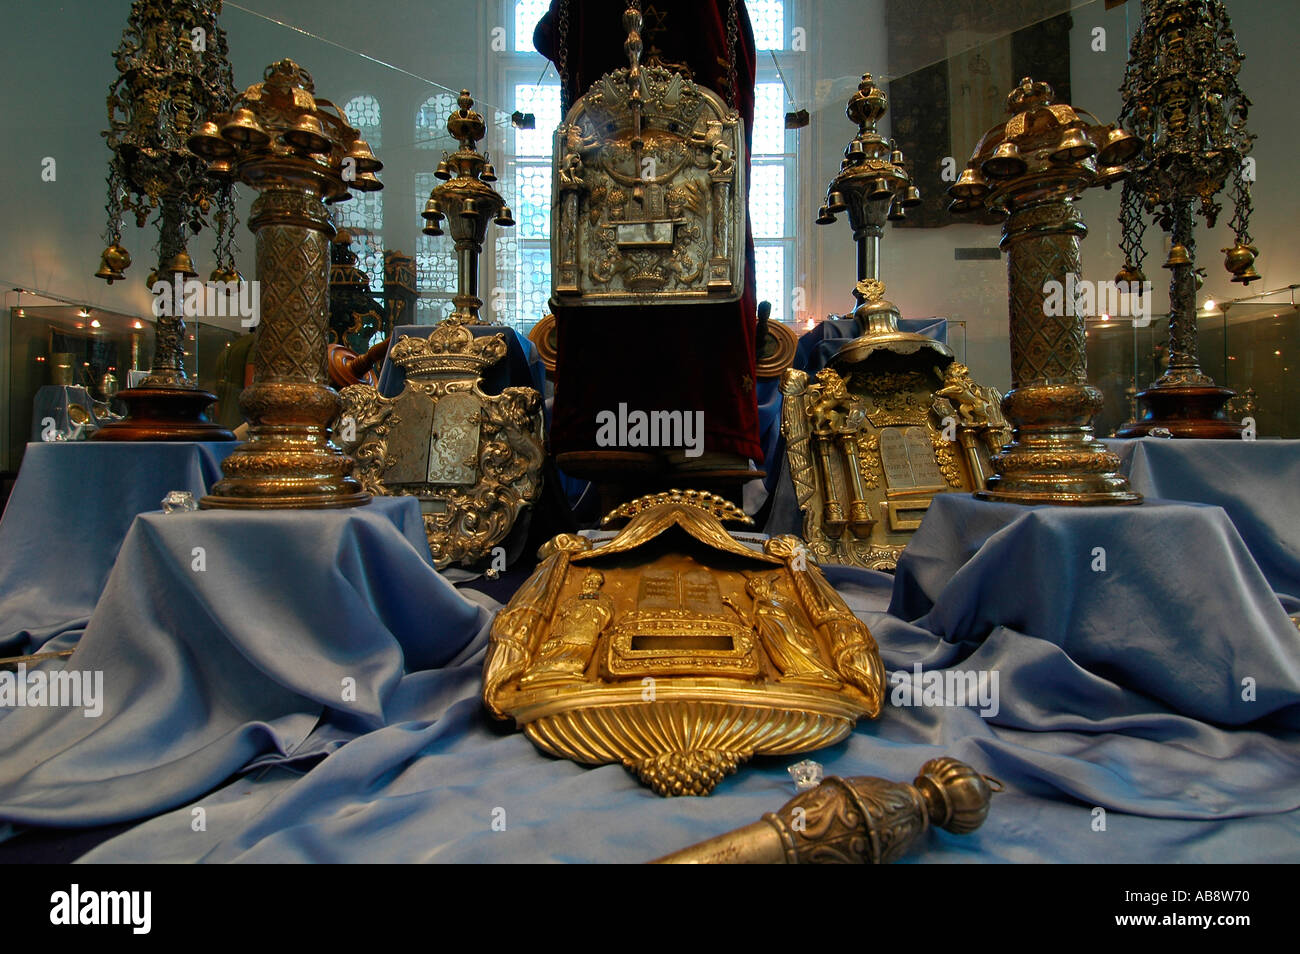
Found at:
(363, 112)
(768, 20)
(363, 214)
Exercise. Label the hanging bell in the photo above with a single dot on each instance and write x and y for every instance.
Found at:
(835, 202)
(206, 142)
(223, 169)
(825, 216)
(469, 209)
(896, 213)
(1128, 275)
(113, 263)
(853, 152)
(443, 171)
(504, 218)
(489, 173)
(880, 189)
(308, 135)
(365, 159)
(970, 185)
(896, 157)
(433, 227)
(181, 265)
(911, 197)
(1005, 163)
(244, 129)
(1247, 276)
(1178, 256)
(432, 209)
(1075, 146)
(1239, 257)
(365, 182)
(1119, 147)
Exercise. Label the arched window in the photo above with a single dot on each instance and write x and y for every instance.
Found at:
(363, 215)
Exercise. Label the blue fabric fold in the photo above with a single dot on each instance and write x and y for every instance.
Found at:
(66, 517)
(223, 637)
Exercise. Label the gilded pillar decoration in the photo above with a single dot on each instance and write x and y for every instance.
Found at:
(860, 820)
(300, 152)
(173, 74)
(1182, 97)
(1032, 167)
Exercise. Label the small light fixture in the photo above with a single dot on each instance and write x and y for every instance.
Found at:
(137, 324)
(95, 323)
(83, 312)
(1209, 304)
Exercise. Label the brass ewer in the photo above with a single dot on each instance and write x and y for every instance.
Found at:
(300, 152)
(679, 650)
(1031, 168)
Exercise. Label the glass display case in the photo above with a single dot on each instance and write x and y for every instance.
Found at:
(98, 350)
(1250, 346)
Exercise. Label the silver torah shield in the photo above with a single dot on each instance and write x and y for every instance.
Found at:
(649, 194)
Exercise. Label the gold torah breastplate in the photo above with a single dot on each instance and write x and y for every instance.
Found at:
(869, 447)
(679, 651)
(649, 193)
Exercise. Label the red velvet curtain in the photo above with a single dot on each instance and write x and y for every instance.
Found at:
(666, 357)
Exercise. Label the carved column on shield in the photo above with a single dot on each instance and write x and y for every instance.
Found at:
(300, 152)
(1032, 167)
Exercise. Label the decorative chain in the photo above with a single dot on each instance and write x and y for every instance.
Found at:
(563, 63)
(1132, 226)
(1240, 223)
(733, 40)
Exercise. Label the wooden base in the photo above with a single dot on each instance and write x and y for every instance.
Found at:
(164, 414)
(1185, 410)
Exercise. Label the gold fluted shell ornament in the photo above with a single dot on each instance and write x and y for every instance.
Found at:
(679, 650)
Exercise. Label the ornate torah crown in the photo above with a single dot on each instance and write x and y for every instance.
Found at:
(678, 650)
(649, 180)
